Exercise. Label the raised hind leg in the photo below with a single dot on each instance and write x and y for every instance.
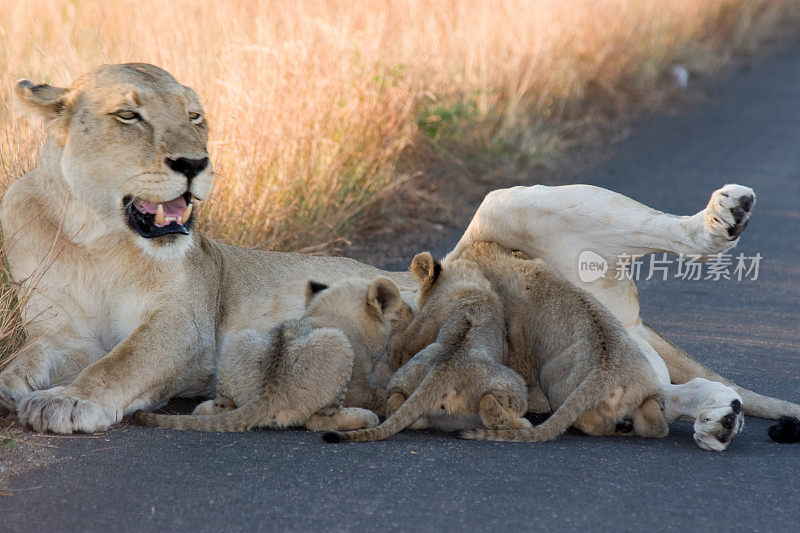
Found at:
(560, 224)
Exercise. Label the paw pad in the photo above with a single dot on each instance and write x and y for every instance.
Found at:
(736, 406)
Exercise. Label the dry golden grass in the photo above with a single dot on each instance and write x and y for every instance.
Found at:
(313, 103)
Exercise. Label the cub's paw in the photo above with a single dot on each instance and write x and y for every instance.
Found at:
(719, 422)
(365, 418)
(344, 419)
(501, 410)
(213, 407)
(396, 399)
(57, 411)
(513, 403)
(519, 423)
(726, 216)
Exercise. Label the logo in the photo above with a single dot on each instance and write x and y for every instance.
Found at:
(591, 266)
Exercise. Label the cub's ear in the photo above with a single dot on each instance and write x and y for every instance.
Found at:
(51, 104)
(383, 295)
(426, 269)
(312, 288)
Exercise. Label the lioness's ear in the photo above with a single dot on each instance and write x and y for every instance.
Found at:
(383, 295)
(426, 269)
(48, 103)
(312, 288)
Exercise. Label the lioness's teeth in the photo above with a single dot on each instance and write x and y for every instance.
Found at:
(186, 213)
(160, 215)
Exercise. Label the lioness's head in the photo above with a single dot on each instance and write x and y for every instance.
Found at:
(132, 149)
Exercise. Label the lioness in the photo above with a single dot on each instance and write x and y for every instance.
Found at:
(459, 373)
(131, 308)
(300, 371)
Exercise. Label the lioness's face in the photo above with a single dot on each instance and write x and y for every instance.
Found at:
(134, 150)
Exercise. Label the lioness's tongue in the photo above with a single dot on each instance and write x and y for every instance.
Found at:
(173, 209)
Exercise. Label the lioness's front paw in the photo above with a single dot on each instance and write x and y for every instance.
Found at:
(9, 398)
(59, 412)
(719, 423)
(15, 385)
(726, 216)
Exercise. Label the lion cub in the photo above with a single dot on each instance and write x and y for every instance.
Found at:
(303, 370)
(461, 372)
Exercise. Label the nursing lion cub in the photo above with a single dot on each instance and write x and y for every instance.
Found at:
(299, 373)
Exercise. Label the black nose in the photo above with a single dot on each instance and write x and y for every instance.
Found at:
(188, 167)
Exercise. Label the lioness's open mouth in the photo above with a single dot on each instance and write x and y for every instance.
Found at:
(151, 219)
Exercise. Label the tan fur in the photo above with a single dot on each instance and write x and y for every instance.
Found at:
(560, 339)
(460, 373)
(120, 322)
(298, 373)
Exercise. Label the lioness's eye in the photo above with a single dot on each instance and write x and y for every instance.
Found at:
(127, 116)
(196, 118)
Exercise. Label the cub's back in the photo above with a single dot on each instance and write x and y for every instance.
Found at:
(545, 313)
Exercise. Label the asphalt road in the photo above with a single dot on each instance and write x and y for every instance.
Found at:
(748, 132)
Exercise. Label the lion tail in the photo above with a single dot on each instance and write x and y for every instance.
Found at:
(244, 418)
(786, 430)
